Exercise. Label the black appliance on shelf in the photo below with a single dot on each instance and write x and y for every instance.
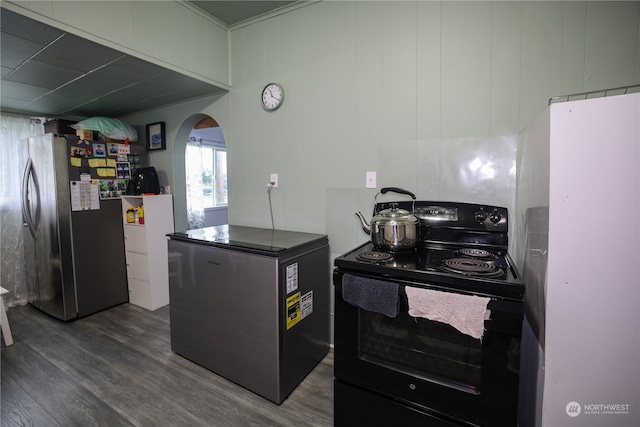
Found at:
(410, 370)
(144, 181)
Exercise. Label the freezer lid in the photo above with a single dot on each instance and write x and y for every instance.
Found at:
(281, 239)
(249, 238)
(221, 234)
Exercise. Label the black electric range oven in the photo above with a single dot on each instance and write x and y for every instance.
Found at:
(448, 359)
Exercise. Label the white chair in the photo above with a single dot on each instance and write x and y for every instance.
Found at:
(4, 320)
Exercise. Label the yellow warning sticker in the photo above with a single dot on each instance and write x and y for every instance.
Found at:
(294, 313)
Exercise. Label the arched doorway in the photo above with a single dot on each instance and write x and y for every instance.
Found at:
(206, 175)
(180, 171)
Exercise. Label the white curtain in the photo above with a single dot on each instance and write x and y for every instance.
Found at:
(193, 168)
(13, 156)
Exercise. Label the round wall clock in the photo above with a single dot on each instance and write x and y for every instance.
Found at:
(272, 96)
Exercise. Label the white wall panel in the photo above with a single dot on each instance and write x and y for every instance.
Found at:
(337, 95)
(172, 32)
(77, 14)
(198, 48)
(466, 69)
(255, 51)
(237, 139)
(146, 22)
(328, 119)
(573, 47)
(399, 98)
(216, 54)
(506, 28)
(275, 155)
(43, 7)
(369, 118)
(250, 135)
(612, 31)
(115, 21)
(428, 101)
(541, 57)
(428, 69)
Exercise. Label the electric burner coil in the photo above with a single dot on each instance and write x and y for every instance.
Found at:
(375, 256)
(471, 267)
(476, 253)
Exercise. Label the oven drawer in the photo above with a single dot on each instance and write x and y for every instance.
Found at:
(354, 406)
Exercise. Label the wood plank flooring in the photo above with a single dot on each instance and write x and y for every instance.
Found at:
(116, 368)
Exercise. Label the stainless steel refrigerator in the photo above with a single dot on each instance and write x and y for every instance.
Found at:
(78, 264)
(251, 304)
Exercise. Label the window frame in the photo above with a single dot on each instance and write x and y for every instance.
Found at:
(215, 147)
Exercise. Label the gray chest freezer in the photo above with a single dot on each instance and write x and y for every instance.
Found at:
(251, 304)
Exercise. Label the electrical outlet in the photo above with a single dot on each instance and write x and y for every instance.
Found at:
(274, 180)
(371, 180)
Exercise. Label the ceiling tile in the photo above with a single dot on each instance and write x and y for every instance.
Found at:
(78, 54)
(50, 105)
(165, 81)
(233, 12)
(11, 104)
(15, 50)
(4, 71)
(28, 29)
(147, 104)
(138, 67)
(127, 97)
(108, 79)
(21, 91)
(97, 107)
(60, 74)
(43, 75)
(75, 93)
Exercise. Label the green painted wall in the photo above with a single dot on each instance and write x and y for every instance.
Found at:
(430, 95)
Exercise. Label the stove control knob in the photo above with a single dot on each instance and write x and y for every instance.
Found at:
(481, 216)
(495, 217)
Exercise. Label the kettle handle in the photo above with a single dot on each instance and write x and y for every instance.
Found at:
(398, 190)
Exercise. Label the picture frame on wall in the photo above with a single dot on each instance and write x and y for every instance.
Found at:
(156, 137)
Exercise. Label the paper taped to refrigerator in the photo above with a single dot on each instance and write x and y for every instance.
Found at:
(85, 195)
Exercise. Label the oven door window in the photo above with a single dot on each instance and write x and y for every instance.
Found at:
(419, 347)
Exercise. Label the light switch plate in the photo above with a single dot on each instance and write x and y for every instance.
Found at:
(371, 180)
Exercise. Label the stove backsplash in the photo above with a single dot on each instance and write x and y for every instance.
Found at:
(471, 170)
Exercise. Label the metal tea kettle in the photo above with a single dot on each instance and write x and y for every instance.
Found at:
(393, 229)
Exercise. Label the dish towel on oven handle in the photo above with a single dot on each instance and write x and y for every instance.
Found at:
(466, 313)
(370, 294)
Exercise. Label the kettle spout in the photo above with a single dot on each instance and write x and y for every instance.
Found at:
(365, 226)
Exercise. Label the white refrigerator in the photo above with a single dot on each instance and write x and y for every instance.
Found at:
(578, 248)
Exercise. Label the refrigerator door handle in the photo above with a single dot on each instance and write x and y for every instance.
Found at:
(33, 224)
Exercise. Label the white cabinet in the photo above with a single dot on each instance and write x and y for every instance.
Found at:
(146, 248)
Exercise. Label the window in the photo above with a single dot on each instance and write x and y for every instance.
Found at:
(211, 162)
(214, 176)
(206, 175)
(17, 255)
